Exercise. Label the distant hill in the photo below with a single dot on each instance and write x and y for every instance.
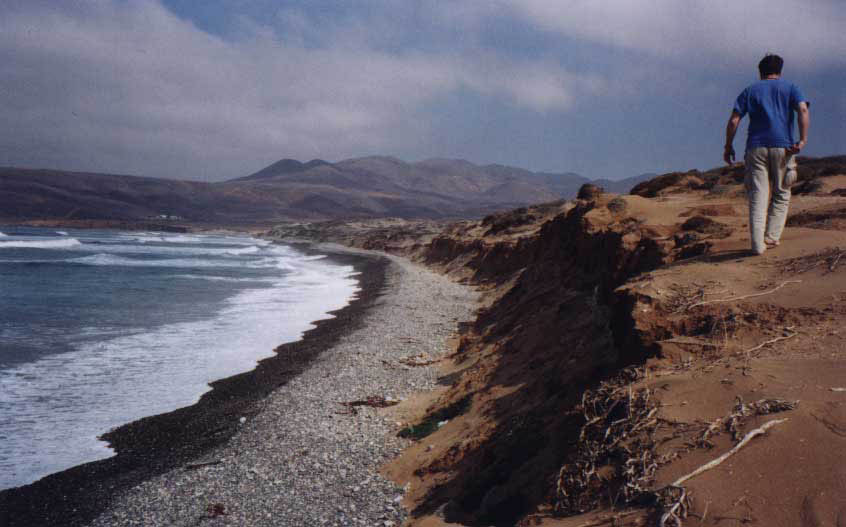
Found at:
(283, 167)
(376, 186)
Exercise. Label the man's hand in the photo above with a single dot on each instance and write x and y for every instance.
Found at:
(804, 123)
(728, 154)
(795, 149)
(731, 129)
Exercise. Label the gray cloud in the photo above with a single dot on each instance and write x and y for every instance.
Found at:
(808, 33)
(130, 87)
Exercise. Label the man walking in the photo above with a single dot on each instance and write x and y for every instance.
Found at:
(770, 150)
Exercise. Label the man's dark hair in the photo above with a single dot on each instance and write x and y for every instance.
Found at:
(770, 65)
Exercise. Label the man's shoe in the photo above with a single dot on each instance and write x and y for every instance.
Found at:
(771, 243)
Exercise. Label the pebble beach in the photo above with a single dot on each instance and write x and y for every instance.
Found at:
(303, 458)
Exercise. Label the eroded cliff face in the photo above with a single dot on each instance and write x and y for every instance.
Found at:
(557, 326)
(603, 317)
(620, 343)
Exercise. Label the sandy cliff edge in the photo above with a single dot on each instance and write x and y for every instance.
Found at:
(627, 341)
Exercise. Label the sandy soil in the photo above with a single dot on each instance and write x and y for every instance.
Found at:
(721, 327)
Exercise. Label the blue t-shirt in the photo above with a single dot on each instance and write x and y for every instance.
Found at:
(771, 104)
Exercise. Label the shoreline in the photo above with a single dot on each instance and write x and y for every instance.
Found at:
(154, 445)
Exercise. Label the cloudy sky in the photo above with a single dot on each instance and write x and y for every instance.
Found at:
(221, 88)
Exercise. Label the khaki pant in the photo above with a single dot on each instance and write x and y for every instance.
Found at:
(769, 176)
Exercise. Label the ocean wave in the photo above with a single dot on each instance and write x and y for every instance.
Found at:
(62, 233)
(211, 239)
(3, 235)
(56, 406)
(187, 251)
(197, 239)
(148, 238)
(182, 238)
(246, 250)
(224, 278)
(41, 244)
(114, 260)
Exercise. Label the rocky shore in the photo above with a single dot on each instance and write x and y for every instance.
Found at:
(304, 458)
(267, 432)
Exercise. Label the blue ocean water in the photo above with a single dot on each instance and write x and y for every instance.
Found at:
(99, 328)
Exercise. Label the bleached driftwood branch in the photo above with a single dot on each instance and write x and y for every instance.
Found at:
(743, 297)
(678, 510)
(711, 464)
(771, 341)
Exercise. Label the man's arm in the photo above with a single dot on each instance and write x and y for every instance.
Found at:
(804, 125)
(731, 129)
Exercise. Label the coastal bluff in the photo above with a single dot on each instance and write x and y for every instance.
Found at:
(632, 363)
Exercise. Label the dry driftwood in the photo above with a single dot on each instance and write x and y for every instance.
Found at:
(830, 257)
(612, 519)
(375, 401)
(418, 360)
(678, 506)
(771, 341)
(744, 297)
(677, 510)
(711, 464)
(618, 430)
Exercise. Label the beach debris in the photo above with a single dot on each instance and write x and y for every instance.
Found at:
(788, 333)
(829, 258)
(421, 359)
(675, 503)
(213, 510)
(837, 389)
(674, 498)
(682, 297)
(242, 420)
(193, 466)
(743, 297)
(617, 440)
(711, 464)
(618, 446)
(741, 411)
(374, 401)
(432, 422)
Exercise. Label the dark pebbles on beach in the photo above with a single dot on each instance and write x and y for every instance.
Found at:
(153, 445)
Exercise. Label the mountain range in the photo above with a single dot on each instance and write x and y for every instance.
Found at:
(376, 186)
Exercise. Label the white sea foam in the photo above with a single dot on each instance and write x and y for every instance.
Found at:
(62, 233)
(146, 238)
(107, 259)
(245, 250)
(3, 235)
(63, 243)
(211, 278)
(211, 239)
(180, 250)
(54, 408)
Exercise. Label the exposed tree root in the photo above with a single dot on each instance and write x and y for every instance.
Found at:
(618, 449)
(617, 440)
(829, 257)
